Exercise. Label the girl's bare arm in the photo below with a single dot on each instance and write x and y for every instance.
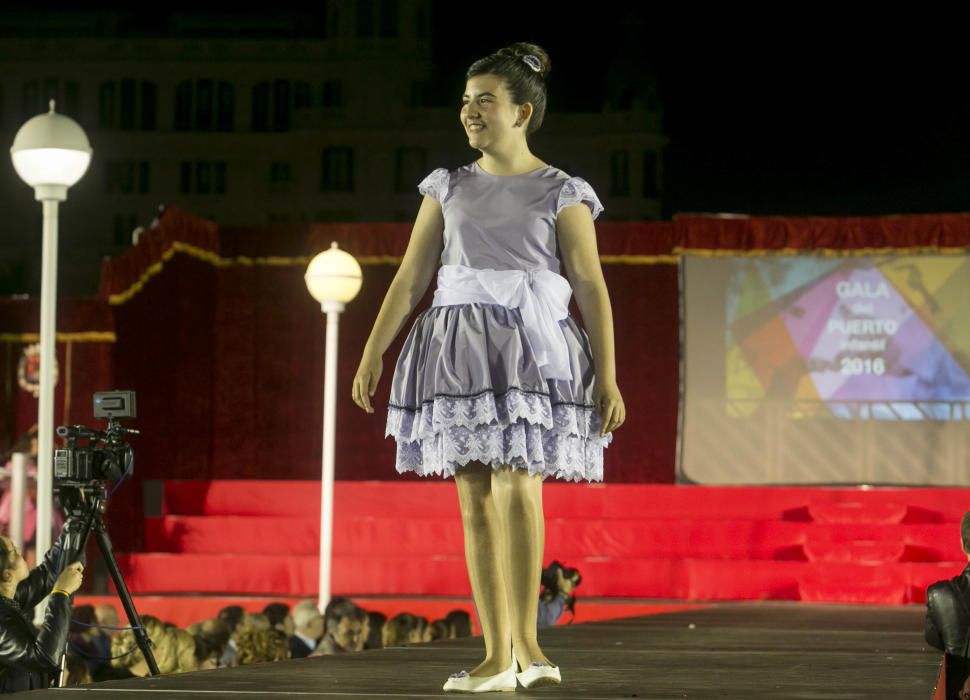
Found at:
(408, 286)
(577, 245)
(413, 276)
(580, 257)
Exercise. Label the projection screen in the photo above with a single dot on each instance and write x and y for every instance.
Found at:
(826, 370)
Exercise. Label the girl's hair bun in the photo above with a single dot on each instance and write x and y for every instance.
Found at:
(522, 48)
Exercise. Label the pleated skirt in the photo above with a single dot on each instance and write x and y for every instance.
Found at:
(466, 388)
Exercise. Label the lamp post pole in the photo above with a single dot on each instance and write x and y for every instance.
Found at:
(50, 153)
(333, 278)
(333, 310)
(48, 345)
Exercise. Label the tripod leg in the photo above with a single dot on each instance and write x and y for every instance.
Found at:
(104, 544)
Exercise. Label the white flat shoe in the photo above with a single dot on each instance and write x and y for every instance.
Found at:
(461, 682)
(538, 675)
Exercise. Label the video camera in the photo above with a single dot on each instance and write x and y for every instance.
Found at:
(97, 455)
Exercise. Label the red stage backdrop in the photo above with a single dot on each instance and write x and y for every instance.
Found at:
(214, 329)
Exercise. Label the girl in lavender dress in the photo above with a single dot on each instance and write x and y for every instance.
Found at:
(497, 385)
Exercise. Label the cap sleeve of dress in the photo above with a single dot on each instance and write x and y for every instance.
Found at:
(435, 184)
(576, 190)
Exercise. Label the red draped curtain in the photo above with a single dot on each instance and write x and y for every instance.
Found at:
(214, 329)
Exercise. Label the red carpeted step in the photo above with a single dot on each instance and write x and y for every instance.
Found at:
(653, 539)
(687, 579)
(658, 501)
(630, 540)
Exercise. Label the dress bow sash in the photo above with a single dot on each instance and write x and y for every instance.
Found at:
(541, 296)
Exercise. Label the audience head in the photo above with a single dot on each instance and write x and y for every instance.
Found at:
(107, 616)
(461, 623)
(375, 629)
(126, 654)
(420, 631)
(440, 629)
(345, 624)
(279, 618)
(257, 620)
(83, 620)
(13, 566)
(308, 621)
(260, 645)
(232, 615)
(398, 629)
(211, 641)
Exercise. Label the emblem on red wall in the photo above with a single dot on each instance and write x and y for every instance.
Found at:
(28, 370)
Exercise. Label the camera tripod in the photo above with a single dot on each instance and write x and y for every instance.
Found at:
(86, 502)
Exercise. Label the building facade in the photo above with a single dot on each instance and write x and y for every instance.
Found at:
(247, 130)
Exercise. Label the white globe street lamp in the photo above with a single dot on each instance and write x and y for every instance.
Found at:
(50, 153)
(333, 278)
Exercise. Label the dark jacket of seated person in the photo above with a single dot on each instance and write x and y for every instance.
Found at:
(30, 658)
(948, 614)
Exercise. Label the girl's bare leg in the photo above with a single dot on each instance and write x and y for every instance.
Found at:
(484, 549)
(518, 499)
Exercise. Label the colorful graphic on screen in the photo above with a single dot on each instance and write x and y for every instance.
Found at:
(868, 338)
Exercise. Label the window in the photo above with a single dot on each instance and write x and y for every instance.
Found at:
(127, 176)
(281, 105)
(301, 95)
(203, 105)
(72, 99)
(422, 24)
(261, 107)
(185, 180)
(149, 106)
(651, 174)
(106, 98)
(280, 172)
(411, 166)
(144, 177)
(226, 111)
(203, 177)
(219, 170)
(183, 106)
(126, 120)
(332, 94)
(619, 173)
(31, 106)
(388, 28)
(365, 18)
(338, 170)
(209, 177)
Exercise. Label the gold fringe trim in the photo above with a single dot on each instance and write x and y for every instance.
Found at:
(82, 337)
(302, 261)
(823, 252)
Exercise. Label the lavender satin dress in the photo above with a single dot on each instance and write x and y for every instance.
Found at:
(466, 385)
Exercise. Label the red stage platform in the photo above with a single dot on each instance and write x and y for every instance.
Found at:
(632, 541)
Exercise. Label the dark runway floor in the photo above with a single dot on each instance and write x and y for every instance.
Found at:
(738, 651)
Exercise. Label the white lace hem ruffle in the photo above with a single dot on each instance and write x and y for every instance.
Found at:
(518, 429)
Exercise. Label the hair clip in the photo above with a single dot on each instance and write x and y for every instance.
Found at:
(532, 62)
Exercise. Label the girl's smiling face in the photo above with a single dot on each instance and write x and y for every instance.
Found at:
(487, 113)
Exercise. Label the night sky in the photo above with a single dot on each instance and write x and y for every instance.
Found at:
(780, 115)
(765, 113)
